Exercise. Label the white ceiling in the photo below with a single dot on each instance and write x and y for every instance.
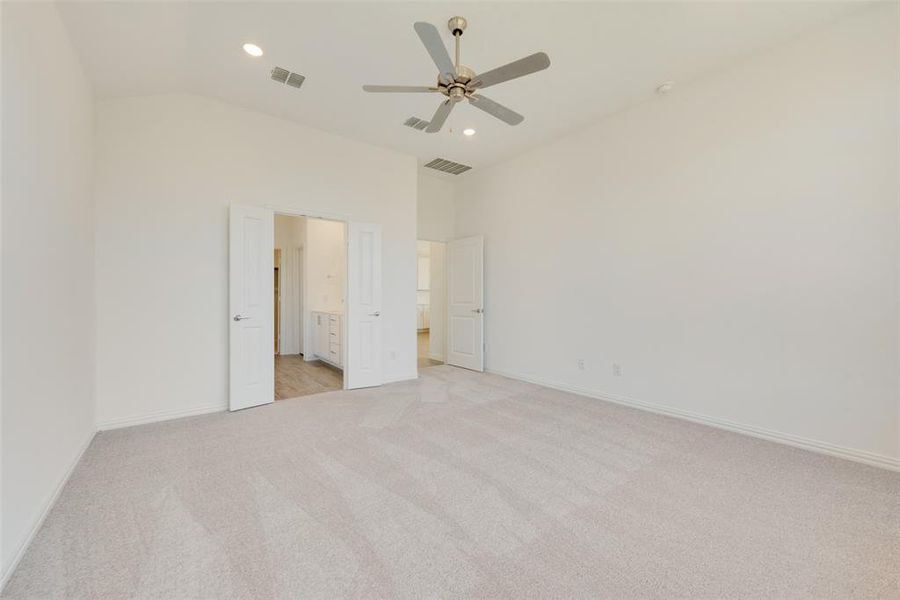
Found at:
(605, 56)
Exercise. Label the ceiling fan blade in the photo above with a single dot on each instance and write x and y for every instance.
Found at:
(496, 110)
(518, 68)
(440, 115)
(430, 37)
(399, 88)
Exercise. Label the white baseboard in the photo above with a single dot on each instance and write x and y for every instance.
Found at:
(437, 357)
(166, 415)
(399, 378)
(162, 415)
(861, 456)
(45, 510)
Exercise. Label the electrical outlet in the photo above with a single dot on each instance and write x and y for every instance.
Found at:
(580, 364)
(617, 369)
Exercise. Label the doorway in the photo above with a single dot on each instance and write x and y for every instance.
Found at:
(356, 347)
(431, 303)
(309, 304)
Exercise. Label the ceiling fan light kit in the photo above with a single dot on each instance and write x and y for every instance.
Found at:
(458, 82)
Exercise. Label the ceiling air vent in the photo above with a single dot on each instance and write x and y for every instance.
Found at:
(284, 76)
(295, 80)
(280, 75)
(447, 166)
(416, 123)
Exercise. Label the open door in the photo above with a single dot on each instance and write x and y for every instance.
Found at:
(465, 310)
(364, 345)
(251, 289)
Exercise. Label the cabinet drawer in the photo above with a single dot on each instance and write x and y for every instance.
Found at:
(334, 356)
(334, 326)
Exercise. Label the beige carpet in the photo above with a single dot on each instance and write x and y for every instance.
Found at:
(461, 485)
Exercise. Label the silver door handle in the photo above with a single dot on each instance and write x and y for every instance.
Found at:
(377, 313)
(478, 310)
(240, 318)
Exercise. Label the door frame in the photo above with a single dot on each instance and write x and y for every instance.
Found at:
(282, 287)
(344, 220)
(446, 319)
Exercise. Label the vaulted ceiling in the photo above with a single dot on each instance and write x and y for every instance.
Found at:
(605, 57)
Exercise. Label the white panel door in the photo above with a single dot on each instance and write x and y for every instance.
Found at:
(251, 319)
(465, 314)
(363, 325)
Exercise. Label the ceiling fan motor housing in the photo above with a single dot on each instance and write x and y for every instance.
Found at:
(460, 81)
(457, 93)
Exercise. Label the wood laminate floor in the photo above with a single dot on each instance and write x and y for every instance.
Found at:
(296, 377)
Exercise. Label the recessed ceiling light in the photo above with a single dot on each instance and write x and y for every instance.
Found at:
(253, 49)
(469, 131)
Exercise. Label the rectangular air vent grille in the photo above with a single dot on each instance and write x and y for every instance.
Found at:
(280, 75)
(295, 80)
(416, 123)
(447, 166)
(284, 76)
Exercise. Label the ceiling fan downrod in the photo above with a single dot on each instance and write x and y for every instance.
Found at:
(457, 26)
(456, 89)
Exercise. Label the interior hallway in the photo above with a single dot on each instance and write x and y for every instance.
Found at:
(422, 355)
(296, 377)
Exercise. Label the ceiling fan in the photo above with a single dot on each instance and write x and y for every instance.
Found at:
(458, 82)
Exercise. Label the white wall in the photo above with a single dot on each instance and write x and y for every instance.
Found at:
(437, 338)
(326, 264)
(47, 265)
(733, 246)
(423, 283)
(167, 168)
(290, 232)
(435, 223)
(434, 208)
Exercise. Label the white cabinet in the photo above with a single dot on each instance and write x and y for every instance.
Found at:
(327, 327)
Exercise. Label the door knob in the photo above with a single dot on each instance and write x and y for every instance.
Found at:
(240, 318)
(478, 310)
(377, 313)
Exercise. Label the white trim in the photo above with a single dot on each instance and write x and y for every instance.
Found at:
(162, 415)
(399, 378)
(434, 356)
(309, 214)
(45, 510)
(861, 456)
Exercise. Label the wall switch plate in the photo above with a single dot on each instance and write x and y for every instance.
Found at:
(580, 364)
(617, 369)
